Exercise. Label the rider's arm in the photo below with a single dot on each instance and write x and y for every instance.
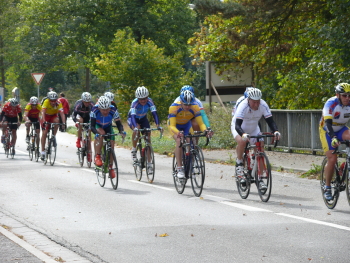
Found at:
(155, 116)
(205, 118)
(238, 126)
(329, 128)
(200, 122)
(119, 125)
(2, 115)
(20, 116)
(271, 124)
(93, 125)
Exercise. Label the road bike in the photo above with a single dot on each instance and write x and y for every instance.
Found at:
(108, 153)
(9, 149)
(340, 177)
(51, 145)
(33, 143)
(145, 155)
(192, 163)
(256, 169)
(85, 150)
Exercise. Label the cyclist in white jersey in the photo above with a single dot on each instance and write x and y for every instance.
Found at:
(335, 115)
(245, 95)
(245, 122)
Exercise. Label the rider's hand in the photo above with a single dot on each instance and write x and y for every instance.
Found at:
(77, 124)
(209, 132)
(19, 124)
(180, 135)
(97, 135)
(136, 130)
(277, 135)
(245, 136)
(123, 133)
(335, 143)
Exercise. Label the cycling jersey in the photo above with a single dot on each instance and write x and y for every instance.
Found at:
(52, 110)
(33, 112)
(10, 111)
(336, 112)
(178, 116)
(103, 121)
(196, 102)
(81, 110)
(65, 105)
(236, 105)
(138, 111)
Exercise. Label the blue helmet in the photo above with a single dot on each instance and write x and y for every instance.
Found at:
(187, 97)
(187, 87)
(246, 91)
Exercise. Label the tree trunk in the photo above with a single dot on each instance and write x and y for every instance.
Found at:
(87, 79)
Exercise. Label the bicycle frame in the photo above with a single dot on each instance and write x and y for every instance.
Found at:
(51, 143)
(8, 138)
(86, 148)
(34, 142)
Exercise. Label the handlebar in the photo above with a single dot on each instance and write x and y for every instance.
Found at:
(346, 142)
(113, 134)
(196, 134)
(265, 135)
(149, 130)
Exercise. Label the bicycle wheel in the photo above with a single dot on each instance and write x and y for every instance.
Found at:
(31, 150)
(197, 173)
(330, 203)
(113, 170)
(200, 152)
(101, 177)
(12, 151)
(263, 177)
(347, 174)
(138, 164)
(179, 183)
(80, 153)
(149, 161)
(244, 188)
(88, 152)
(53, 147)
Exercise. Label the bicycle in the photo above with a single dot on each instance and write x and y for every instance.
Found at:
(143, 153)
(256, 169)
(193, 165)
(51, 146)
(106, 153)
(86, 144)
(9, 149)
(33, 148)
(340, 177)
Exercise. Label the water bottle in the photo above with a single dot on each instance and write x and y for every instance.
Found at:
(252, 161)
(341, 169)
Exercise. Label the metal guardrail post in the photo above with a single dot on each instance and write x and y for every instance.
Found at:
(289, 129)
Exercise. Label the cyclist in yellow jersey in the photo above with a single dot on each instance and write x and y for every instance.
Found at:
(181, 112)
(31, 114)
(49, 113)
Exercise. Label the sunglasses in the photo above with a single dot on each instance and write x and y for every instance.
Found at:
(345, 95)
(143, 99)
(53, 100)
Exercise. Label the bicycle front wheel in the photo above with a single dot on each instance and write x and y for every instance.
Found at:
(197, 173)
(200, 152)
(101, 177)
(347, 174)
(80, 154)
(149, 160)
(244, 187)
(113, 170)
(330, 203)
(179, 183)
(12, 151)
(138, 164)
(31, 150)
(88, 152)
(53, 148)
(263, 177)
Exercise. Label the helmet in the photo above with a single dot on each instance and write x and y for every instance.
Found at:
(109, 95)
(141, 92)
(342, 87)
(103, 103)
(86, 96)
(33, 100)
(187, 87)
(246, 91)
(254, 94)
(52, 95)
(13, 102)
(187, 97)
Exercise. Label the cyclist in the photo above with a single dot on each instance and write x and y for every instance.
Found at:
(31, 114)
(65, 105)
(333, 129)
(137, 116)
(181, 113)
(49, 113)
(11, 113)
(110, 96)
(102, 118)
(245, 95)
(81, 114)
(245, 122)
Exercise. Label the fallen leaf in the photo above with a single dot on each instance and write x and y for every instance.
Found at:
(68, 171)
(155, 235)
(244, 215)
(286, 185)
(164, 235)
(51, 198)
(201, 198)
(110, 232)
(287, 228)
(329, 213)
(221, 177)
(281, 203)
(192, 235)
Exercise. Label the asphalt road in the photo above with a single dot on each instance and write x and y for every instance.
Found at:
(142, 222)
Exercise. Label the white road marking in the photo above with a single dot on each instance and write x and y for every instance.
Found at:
(152, 185)
(245, 207)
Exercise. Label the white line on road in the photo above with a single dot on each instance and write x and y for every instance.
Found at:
(245, 207)
(152, 185)
(315, 221)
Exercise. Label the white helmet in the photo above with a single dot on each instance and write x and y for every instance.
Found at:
(52, 95)
(13, 102)
(103, 103)
(141, 92)
(109, 95)
(254, 94)
(33, 100)
(86, 97)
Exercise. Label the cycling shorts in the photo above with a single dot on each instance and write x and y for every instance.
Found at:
(49, 118)
(326, 141)
(36, 120)
(108, 129)
(143, 122)
(11, 120)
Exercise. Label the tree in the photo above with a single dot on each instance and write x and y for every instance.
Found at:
(129, 64)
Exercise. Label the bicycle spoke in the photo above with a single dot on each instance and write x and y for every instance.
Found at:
(334, 186)
(197, 173)
(113, 170)
(263, 177)
(149, 160)
(244, 187)
(138, 164)
(179, 183)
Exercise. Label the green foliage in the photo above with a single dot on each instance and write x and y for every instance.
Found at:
(129, 64)
(313, 173)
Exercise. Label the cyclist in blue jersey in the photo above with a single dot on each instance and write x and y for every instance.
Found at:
(102, 117)
(137, 116)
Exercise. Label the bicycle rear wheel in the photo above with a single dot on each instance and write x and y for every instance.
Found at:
(244, 188)
(197, 173)
(200, 152)
(263, 177)
(113, 170)
(88, 152)
(80, 153)
(347, 174)
(12, 151)
(31, 150)
(53, 146)
(138, 164)
(329, 203)
(150, 168)
(179, 183)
